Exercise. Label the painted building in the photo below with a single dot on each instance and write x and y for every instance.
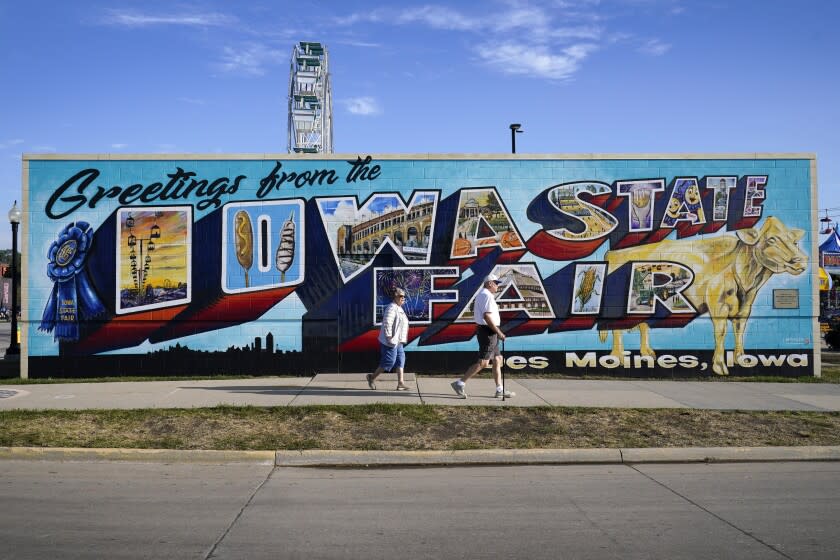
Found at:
(622, 265)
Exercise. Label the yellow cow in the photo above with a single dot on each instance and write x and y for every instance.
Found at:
(728, 272)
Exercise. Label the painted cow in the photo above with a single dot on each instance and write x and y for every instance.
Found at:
(729, 270)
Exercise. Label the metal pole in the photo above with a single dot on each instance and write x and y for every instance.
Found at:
(14, 348)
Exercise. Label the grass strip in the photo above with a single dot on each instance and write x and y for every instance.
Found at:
(413, 427)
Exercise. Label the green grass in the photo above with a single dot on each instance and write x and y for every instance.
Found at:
(413, 427)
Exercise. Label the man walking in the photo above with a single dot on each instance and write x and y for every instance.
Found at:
(486, 313)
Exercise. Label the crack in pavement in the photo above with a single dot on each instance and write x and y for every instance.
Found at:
(713, 514)
(224, 534)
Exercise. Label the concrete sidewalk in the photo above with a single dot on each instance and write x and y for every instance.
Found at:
(352, 389)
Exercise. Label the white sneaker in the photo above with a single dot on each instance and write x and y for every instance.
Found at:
(459, 389)
(504, 394)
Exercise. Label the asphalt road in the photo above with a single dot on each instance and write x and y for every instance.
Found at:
(124, 510)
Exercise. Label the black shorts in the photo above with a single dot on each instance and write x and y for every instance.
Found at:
(488, 342)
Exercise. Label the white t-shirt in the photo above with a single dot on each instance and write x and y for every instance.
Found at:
(484, 303)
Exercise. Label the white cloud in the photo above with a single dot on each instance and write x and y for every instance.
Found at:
(362, 44)
(10, 143)
(588, 32)
(130, 18)
(43, 148)
(362, 106)
(619, 37)
(119, 146)
(250, 59)
(520, 17)
(543, 49)
(345, 211)
(537, 25)
(192, 100)
(655, 47)
(576, 4)
(538, 61)
(445, 18)
(352, 19)
(438, 17)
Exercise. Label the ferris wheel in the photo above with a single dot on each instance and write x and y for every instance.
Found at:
(310, 100)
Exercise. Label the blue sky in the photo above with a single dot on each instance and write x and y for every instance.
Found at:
(580, 75)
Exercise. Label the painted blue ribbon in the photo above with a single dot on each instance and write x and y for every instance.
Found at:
(72, 298)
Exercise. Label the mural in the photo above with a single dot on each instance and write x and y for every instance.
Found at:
(417, 285)
(641, 201)
(520, 289)
(147, 282)
(589, 282)
(633, 267)
(357, 234)
(482, 222)
(260, 248)
(721, 276)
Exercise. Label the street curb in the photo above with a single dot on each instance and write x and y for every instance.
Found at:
(473, 457)
(730, 454)
(136, 455)
(607, 456)
(395, 459)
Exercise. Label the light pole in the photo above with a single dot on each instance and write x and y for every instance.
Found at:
(13, 351)
(515, 129)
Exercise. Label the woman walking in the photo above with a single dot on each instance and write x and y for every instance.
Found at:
(392, 337)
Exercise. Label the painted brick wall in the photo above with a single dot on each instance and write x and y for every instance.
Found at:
(616, 265)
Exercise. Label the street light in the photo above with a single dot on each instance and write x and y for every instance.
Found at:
(515, 129)
(13, 351)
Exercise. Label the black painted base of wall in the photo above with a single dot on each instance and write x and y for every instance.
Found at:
(675, 364)
(9, 369)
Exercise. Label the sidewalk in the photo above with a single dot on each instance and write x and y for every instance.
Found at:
(352, 389)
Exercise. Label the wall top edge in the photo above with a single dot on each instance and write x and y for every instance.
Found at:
(417, 156)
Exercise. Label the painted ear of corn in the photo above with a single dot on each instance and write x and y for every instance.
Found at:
(285, 254)
(243, 242)
(587, 285)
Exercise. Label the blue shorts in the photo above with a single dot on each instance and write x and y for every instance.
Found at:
(391, 356)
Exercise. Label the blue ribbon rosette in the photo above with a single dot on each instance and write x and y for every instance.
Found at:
(72, 298)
